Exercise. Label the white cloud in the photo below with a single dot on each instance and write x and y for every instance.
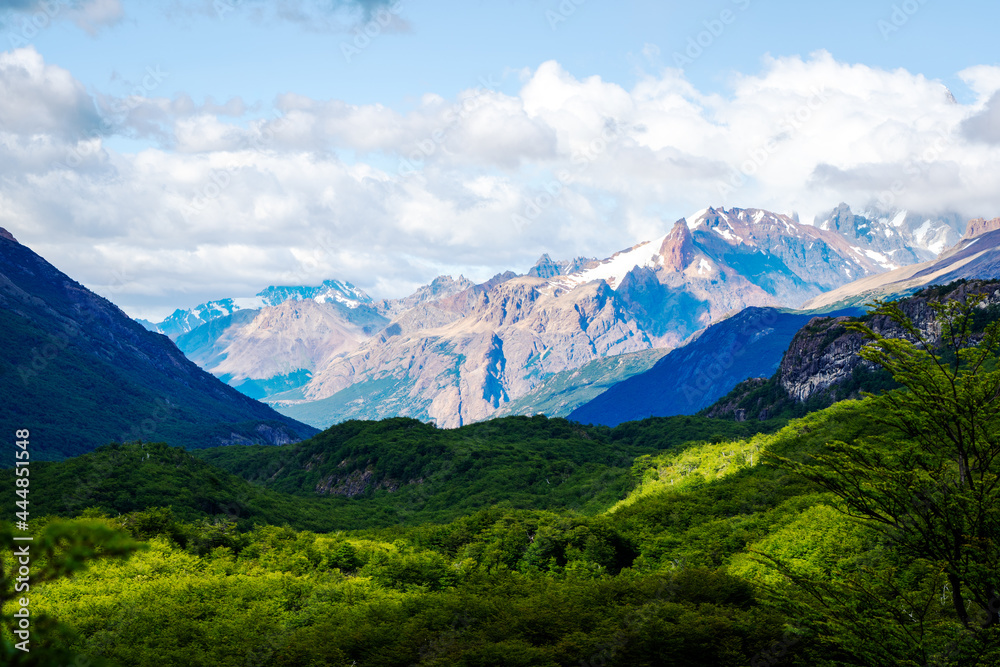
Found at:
(984, 80)
(36, 98)
(229, 202)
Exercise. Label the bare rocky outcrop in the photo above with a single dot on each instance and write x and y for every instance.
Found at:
(980, 226)
(462, 371)
(295, 335)
(822, 354)
(826, 353)
(354, 483)
(678, 249)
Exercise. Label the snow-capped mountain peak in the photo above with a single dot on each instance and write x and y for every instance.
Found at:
(181, 321)
(330, 291)
(614, 268)
(903, 236)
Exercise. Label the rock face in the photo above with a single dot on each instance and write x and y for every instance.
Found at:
(980, 226)
(822, 363)
(825, 353)
(440, 288)
(546, 267)
(276, 348)
(678, 248)
(822, 354)
(515, 334)
(455, 352)
(292, 336)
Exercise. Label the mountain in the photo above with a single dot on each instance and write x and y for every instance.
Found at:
(439, 288)
(894, 237)
(330, 291)
(561, 393)
(466, 357)
(822, 366)
(182, 321)
(276, 348)
(546, 267)
(77, 372)
(458, 371)
(272, 343)
(455, 352)
(747, 345)
(975, 256)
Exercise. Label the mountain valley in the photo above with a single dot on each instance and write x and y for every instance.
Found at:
(455, 352)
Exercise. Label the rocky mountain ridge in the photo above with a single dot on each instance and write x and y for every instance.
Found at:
(697, 374)
(976, 256)
(822, 362)
(455, 352)
(896, 237)
(494, 344)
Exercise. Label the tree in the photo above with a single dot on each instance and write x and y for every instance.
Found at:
(929, 484)
(57, 551)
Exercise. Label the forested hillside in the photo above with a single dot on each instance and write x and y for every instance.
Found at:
(84, 373)
(865, 533)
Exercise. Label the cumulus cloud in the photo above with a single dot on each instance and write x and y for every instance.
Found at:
(232, 198)
(36, 98)
(985, 125)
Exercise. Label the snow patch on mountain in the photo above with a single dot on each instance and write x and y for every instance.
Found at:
(613, 269)
(331, 291)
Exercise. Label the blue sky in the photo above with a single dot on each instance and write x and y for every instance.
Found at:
(231, 49)
(241, 144)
